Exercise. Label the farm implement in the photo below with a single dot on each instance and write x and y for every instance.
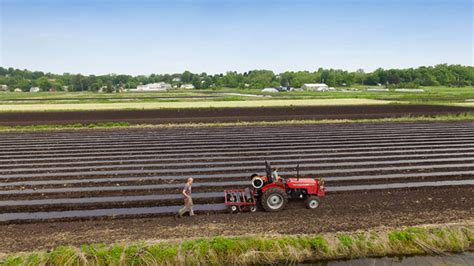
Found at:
(272, 192)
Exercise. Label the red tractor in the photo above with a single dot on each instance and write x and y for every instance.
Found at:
(273, 192)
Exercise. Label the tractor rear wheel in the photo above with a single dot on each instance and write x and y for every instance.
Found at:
(274, 199)
(312, 202)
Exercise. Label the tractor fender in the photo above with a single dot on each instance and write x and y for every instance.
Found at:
(272, 185)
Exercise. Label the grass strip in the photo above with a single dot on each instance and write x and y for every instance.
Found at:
(469, 116)
(438, 239)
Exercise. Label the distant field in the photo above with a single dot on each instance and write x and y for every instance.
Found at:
(10, 101)
(431, 95)
(87, 94)
(23, 107)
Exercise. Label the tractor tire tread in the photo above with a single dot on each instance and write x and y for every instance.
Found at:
(269, 192)
(310, 198)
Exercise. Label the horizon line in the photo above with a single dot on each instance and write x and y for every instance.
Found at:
(219, 73)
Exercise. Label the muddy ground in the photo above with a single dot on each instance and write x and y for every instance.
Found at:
(207, 115)
(347, 211)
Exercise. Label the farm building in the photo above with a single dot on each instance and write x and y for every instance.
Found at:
(326, 89)
(160, 86)
(35, 89)
(314, 86)
(187, 86)
(18, 90)
(272, 90)
(3, 87)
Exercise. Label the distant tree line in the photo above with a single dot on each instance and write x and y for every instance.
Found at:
(443, 74)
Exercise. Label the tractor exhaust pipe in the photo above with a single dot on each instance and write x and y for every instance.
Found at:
(268, 170)
(298, 172)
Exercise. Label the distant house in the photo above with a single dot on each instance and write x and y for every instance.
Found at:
(314, 86)
(271, 90)
(176, 80)
(17, 90)
(187, 86)
(35, 89)
(3, 87)
(160, 86)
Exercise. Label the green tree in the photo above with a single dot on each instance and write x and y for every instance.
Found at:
(43, 83)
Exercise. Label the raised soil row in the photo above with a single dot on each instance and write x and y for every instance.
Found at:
(80, 174)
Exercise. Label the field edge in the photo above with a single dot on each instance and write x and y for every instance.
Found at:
(462, 117)
(44, 107)
(438, 239)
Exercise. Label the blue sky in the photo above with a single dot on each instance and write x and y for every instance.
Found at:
(214, 36)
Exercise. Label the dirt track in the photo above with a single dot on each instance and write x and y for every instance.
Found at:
(339, 212)
(164, 116)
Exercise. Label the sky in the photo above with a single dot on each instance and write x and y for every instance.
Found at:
(140, 37)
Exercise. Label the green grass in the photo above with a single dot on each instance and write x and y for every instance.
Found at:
(221, 250)
(438, 95)
(104, 96)
(469, 116)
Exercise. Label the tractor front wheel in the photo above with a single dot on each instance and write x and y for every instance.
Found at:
(312, 202)
(233, 208)
(274, 199)
(253, 208)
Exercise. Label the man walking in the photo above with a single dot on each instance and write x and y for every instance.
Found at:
(188, 200)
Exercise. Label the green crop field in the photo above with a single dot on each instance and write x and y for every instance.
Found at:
(44, 101)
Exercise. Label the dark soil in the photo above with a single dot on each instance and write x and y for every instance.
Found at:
(339, 212)
(164, 116)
